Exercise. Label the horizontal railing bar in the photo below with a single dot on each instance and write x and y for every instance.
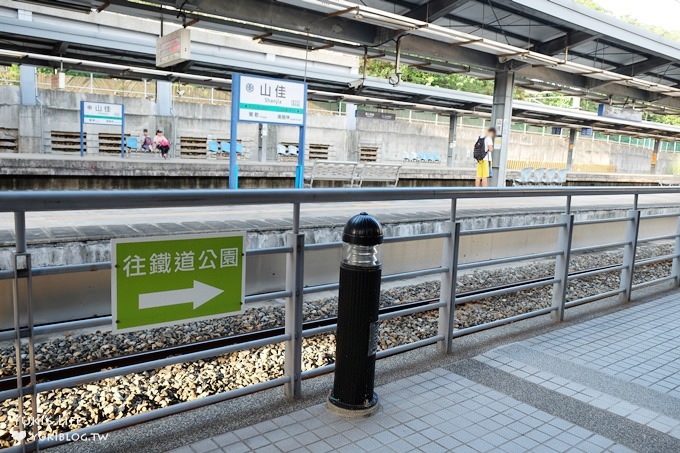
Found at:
(511, 229)
(416, 237)
(269, 251)
(600, 221)
(106, 320)
(408, 347)
(388, 240)
(314, 372)
(58, 270)
(413, 274)
(385, 278)
(319, 288)
(410, 311)
(604, 270)
(656, 259)
(323, 246)
(267, 296)
(319, 330)
(379, 355)
(500, 292)
(60, 327)
(169, 410)
(599, 247)
(657, 238)
(593, 298)
(510, 259)
(654, 282)
(138, 368)
(501, 322)
(659, 216)
(47, 200)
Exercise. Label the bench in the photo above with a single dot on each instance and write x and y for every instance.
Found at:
(352, 174)
(672, 181)
(327, 170)
(386, 173)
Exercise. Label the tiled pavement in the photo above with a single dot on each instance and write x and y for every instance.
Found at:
(435, 411)
(607, 384)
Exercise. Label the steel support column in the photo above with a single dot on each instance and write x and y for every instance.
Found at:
(570, 151)
(501, 115)
(31, 124)
(164, 97)
(655, 155)
(453, 131)
(28, 84)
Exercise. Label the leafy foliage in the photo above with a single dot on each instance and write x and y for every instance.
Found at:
(460, 82)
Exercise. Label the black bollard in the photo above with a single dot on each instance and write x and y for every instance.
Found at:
(357, 333)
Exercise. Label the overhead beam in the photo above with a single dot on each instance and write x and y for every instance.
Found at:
(416, 45)
(585, 83)
(276, 13)
(435, 9)
(636, 69)
(492, 26)
(559, 45)
(641, 67)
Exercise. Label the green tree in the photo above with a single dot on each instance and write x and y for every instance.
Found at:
(461, 82)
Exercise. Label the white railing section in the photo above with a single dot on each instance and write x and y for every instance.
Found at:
(24, 331)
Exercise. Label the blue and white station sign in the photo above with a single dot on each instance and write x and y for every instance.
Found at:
(102, 113)
(264, 100)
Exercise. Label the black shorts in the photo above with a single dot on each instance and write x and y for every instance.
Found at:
(164, 149)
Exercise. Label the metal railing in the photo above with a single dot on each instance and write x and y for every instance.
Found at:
(295, 250)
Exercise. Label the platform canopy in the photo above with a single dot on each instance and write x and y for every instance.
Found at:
(553, 45)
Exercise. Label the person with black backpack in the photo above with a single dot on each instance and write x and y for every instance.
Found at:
(482, 154)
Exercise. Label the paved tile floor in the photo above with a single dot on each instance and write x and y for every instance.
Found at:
(435, 411)
(607, 384)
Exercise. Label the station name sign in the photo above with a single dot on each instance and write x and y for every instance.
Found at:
(102, 113)
(265, 100)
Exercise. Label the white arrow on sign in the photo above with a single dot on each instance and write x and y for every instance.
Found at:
(198, 295)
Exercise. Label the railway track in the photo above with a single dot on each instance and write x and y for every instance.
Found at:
(10, 382)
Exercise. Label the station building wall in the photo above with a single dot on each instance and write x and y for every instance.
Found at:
(334, 136)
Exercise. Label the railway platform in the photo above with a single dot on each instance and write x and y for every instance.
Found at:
(610, 383)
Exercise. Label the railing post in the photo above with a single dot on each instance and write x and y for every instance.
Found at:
(559, 290)
(629, 251)
(448, 288)
(22, 272)
(675, 269)
(294, 283)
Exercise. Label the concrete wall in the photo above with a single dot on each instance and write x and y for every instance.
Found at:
(393, 139)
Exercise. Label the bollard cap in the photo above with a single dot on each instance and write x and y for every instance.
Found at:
(363, 229)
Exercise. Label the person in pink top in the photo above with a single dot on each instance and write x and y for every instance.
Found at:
(161, 143)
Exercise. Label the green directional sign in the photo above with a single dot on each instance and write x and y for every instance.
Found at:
(165, 280)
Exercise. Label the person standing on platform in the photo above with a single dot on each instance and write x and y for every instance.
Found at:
(482, 153)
